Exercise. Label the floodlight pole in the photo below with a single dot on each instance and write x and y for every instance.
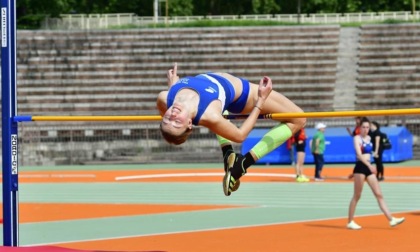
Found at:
(9, 125)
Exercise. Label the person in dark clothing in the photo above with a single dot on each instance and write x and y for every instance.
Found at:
(378, 149)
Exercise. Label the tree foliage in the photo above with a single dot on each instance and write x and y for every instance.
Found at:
(30, 13)
(35, 10)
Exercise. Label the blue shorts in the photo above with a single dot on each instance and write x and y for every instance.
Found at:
(238, 105)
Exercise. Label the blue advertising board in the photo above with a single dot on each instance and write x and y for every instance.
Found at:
(339, 146)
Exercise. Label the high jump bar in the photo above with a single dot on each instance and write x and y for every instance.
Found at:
(344, 113)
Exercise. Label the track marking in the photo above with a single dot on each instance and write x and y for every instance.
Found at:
(278, 175)
(212, 229)
(56, 175)
(204, 174)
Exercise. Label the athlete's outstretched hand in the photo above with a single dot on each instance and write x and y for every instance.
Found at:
(172, 75)
(265, 87)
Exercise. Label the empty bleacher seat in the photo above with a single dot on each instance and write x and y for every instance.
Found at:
(388, 75)
(122, 71)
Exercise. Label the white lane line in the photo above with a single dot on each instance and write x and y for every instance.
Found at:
(203, 174)
(387, 178)
(209, 174)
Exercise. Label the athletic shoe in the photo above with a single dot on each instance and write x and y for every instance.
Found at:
(234, 172)
(396, 221)
(302, 178)
(319, 179)
(353, 225)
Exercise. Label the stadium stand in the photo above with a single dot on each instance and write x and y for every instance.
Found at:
(121, 72)
(388, 75)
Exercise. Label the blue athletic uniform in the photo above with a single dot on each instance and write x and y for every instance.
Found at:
(211, 87)
(366, 147)
(360, 167)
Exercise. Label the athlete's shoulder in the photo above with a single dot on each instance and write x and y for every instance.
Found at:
(161, 101)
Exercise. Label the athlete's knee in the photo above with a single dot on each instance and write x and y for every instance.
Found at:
(301, 122)
(297, 123)
(378, 195)
(356, 196)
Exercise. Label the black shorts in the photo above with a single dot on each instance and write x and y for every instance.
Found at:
(362, 168)
(300, 147)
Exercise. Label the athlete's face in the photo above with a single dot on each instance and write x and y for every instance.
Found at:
(364, 128)
(176, 121)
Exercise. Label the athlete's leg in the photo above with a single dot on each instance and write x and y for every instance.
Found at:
(275, 103)
(226, 146)
(376, 189)
(377, 192)
(379, 166)
(300, 159)
(359, 180)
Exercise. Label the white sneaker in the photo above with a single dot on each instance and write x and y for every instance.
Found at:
(353, 225)
(396, 221)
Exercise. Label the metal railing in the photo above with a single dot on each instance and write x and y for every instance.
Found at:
(131, 142)
(106, 21)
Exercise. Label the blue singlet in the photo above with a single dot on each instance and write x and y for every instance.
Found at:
(210, 87)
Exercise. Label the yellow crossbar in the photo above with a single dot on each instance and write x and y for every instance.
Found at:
(97, 118)
(384, 112)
